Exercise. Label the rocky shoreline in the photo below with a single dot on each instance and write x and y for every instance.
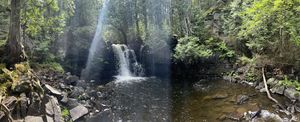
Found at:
(276, 87)
(66, 98)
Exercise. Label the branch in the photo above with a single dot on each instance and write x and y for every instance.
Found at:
(267, 90)
(7, 112)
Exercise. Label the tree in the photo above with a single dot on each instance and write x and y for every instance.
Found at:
(14, 49)
(272, 28)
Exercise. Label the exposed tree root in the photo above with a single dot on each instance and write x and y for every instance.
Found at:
(269, 95)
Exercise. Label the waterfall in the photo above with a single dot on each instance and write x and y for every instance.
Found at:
(97, 43)
(128, 65)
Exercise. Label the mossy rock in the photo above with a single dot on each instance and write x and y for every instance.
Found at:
(21, 79)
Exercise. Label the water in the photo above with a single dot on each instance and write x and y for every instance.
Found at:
(129, 68)
(97, 43)
(153, 99)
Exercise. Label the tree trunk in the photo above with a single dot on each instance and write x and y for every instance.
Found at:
(137, 20)
(145, 15)
(14, 48)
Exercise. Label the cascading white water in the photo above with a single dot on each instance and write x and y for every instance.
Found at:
(128, 65)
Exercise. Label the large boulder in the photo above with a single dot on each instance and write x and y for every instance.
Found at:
(78, 112)
(52, 109)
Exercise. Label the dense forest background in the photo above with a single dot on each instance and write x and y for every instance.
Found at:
(57, 34)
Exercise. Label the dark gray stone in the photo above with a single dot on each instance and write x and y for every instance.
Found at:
(76, 92)
(72, 103)
(241, 99)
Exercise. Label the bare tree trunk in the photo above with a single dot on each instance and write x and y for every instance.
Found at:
(14, 48)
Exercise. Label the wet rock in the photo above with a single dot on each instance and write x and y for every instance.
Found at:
(78, 112)
(264, 116)
(33, 119)
(52, 91)
(278, 89)
(241, 99)
(292, 93)
(220, 96)
(200, 86)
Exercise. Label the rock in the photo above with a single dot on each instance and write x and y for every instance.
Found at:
(241, 70)
(53, 109)
(22, 87)
(268, 116)
(222, 117)
(262, 90)
(71, 80)
(65, 98)
(78, 112)
(50, 119)
(216, 96)
(272, 81)
(72, 103)
(52, 91)
(240, 99)
(23, 105)
(227, 78)
(10, 102)
(278, 89)
(34, 119)
(265, 116)
(77, 91)
(2, 114)
(292, 93)
(260, 86)
(35, 105)
(62, 86)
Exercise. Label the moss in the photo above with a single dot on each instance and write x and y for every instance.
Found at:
(65, 113)
(52, 66)
(2, 42)
(4, 88)
(22, 68)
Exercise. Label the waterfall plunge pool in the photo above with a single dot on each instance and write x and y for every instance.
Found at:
(152, 99)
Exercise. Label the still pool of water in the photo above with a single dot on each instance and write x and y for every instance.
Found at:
(157, 100)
